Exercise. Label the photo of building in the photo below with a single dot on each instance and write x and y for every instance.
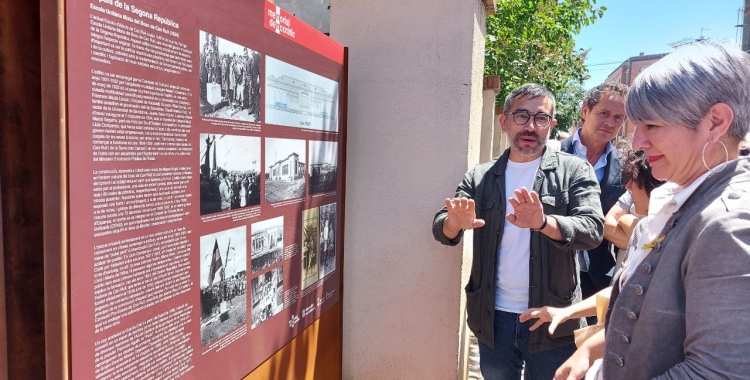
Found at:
(299, 98)
(323, 159)
(285, 172)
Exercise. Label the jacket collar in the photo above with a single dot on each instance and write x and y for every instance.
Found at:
(612, 173)
(727, 179)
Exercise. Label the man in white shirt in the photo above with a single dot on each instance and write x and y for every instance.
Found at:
(602, 117)
(531, 209)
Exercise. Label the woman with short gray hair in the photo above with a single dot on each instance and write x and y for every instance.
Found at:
(679, 308)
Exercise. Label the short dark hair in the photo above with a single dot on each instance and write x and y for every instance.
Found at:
(529, 91)
(636, 168)
(594, 95)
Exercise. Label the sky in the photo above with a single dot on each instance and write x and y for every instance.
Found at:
(234, 152)
(323, 151)
(279, 149)
(634, 26)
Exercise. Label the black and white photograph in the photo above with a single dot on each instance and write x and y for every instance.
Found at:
(310, 246)
(285, 169)
(266, 243)
(327, 239)
(299, 98)
(229, 79)
(223, 282)
(267, 295)
(229, 172)
(322, 161)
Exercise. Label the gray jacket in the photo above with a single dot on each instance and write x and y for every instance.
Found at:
(685, 313)
(569, 192)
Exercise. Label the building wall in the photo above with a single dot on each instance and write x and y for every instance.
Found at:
(746, 28)
(489, 91)
(618, 75)
(414, 124)
(292, 165)
(621, 75)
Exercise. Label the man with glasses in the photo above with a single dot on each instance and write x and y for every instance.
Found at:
(531, 209)
(602, 117)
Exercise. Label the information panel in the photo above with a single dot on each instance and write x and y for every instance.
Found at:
(204, 142)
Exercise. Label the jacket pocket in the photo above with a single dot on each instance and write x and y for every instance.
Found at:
(483, 210)
(555, 203)
(474, 308)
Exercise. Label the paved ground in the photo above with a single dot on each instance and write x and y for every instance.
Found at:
(214, 328)
(474, 373)
(281, 190)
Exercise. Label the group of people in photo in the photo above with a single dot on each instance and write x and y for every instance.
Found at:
(222, 190)
(655, 235)
(327, 239)
(237, 74)
(222, 291)
(267, 295)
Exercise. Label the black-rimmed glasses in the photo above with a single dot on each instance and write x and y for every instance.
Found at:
(521, 117)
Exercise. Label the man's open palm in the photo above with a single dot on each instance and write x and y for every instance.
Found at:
(527, 209)
(462, 214)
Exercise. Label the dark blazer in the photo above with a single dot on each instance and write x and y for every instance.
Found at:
(601, 260)
(567, 188)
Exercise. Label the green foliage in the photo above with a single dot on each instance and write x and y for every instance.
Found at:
(532, 41)
(569, 101)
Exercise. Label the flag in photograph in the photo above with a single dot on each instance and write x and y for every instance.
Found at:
(215, 263)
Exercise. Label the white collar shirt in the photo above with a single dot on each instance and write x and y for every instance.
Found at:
(580, 150)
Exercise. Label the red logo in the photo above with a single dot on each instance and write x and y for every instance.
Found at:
(285, 24)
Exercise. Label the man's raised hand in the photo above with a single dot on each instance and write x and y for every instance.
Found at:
(461, 214)
(527, 209)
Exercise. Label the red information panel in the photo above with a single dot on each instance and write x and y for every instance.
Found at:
(204, 185)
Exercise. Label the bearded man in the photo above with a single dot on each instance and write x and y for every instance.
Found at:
(531, 209)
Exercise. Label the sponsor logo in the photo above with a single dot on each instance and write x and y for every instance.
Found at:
(308, 310)
(280, 23)
(293, 321)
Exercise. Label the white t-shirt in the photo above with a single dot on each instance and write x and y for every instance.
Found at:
(512, 287)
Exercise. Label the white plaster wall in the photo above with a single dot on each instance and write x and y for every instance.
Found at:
(415, 99)
(499, 139)
(488, 124)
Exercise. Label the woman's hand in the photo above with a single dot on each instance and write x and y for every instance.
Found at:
(575, 367)
(554, 315)
(578, 364)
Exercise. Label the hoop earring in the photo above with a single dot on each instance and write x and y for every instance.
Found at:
(723, 164)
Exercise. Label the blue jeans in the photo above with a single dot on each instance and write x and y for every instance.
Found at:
(511, 351)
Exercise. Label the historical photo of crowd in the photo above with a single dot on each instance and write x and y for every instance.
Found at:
(310, 245)
(266, 243)
(229, 172)
(327, 239)
(299, 98)
(322, 161)
(229, 79)
(285, 171)
(267, 295)
(223, 283)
